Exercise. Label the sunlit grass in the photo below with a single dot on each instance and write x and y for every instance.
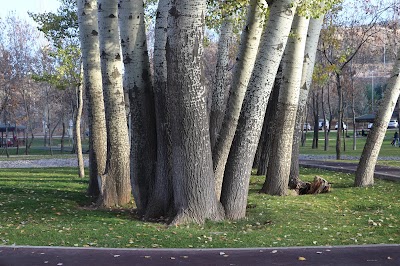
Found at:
(46, 207)
(387, 150)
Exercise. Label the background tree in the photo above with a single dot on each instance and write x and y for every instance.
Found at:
(89, 42)
(365, 170)
(347, 31)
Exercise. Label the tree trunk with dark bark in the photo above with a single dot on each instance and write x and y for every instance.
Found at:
(193, 178)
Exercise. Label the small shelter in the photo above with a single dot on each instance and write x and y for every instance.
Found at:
(367, 118)
(13, 132)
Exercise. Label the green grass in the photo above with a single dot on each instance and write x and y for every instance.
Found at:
(387, 149)
(45, 207)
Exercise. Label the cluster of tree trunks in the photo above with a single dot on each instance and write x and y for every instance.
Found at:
(182, 163)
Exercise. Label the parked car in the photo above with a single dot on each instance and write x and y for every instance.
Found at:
(370, 125)
(321, 124)
(306, 126)
(344, 126)
(393, 124)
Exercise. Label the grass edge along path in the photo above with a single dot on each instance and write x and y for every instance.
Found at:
(46, 207)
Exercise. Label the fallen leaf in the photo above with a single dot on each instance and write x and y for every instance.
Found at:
(185, 257)
(172, 258)
(147, 257)
(274, 251)
(302, 258)
(222, 253)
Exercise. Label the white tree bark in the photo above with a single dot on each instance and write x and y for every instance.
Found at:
(116, 189)
(241, 156)
(88, 30)
(220, 91)
(278, 171)
(366, 167)
(310, 52)
(78, 119)
(193, 179)
(250, 41)
(141, 98)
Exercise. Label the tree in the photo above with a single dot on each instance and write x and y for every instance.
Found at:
(161, 195)
(339, 51)
(365, 170)
(314, 30)
(115, 182)
(277, 179)
(220, 91)
(89, 40)
(241, 156)
(193, 178)
(250, 41)
(61, 30)
(17, 57)
(139, 86)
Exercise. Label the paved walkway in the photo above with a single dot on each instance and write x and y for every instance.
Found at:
(382, 172)
(338, 255)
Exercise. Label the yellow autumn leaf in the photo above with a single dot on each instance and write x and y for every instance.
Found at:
(302, 258)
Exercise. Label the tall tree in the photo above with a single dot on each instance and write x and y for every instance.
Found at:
(245, 60)
(366, 167)
(241, 156)
(219, 94)
(139, 86)
(115, 183)
(193, 179)
(277, 179)
(161, 199)
(339, 51)
(314, 30)
(88, 30)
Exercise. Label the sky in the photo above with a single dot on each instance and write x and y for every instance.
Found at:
(21, 7)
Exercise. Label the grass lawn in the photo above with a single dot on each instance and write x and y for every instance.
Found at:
(387, 149)
(46, 207)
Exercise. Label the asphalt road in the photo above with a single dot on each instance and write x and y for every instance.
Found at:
(338, 255)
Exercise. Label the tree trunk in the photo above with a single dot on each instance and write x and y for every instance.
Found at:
(141, 98)
(88, 29)
(241, 156)
(220, 91)
(193, 179)
(315, 107)
(366, 167)
(277, 179)
(161, 201)
(326, 135)
(340, 113)
(115, 183)
(269, 124)
(78, 118)
(306, 79)
(62, 136)
(250, 41)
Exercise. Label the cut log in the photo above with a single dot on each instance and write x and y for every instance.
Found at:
(319, 185)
